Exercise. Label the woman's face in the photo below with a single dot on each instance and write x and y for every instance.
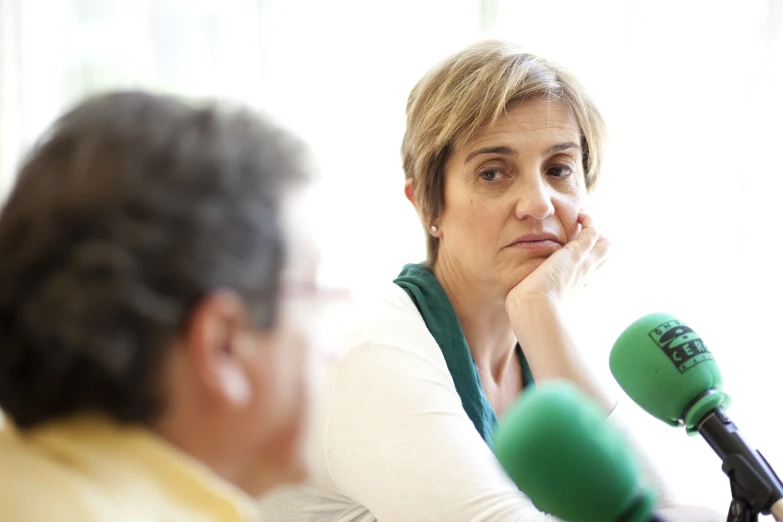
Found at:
(512, 196)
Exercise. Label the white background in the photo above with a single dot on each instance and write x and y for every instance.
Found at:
(691, 195)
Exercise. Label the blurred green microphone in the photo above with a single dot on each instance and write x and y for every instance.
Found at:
(555, 445)
(666, 368)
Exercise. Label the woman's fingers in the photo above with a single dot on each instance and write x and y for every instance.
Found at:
(592, 249)
(587, 239)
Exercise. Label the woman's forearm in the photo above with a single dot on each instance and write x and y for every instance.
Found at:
(551, 351)
(553, 354)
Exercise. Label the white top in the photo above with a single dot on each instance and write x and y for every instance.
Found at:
(392, 440)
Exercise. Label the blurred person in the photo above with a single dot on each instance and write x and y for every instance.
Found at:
(155, 277)
(500, 152)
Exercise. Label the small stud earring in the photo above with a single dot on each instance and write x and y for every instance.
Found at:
(433, 228)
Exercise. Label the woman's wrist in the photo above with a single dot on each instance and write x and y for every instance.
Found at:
(534, 317)
(541, 330)
(519, 304)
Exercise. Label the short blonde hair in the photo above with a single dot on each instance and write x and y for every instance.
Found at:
(470, 89)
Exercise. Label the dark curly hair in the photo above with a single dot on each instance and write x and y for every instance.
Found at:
(131, 208)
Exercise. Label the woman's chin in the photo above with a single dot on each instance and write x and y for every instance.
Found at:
(519, 273)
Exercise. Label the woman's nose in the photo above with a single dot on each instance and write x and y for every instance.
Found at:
(534, 200)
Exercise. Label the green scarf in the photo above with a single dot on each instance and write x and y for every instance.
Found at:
(420, 284)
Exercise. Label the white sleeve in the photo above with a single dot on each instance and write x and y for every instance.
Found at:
(398, 441)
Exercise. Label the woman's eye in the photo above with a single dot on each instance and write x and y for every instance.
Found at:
(560, 171)
(491, 174)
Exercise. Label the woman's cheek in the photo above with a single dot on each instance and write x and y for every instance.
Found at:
(569, 216)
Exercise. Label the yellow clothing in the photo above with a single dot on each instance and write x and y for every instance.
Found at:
(89, 469)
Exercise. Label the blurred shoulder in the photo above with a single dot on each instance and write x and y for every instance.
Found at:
(34, 485)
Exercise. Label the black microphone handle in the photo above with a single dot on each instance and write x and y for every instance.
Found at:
(753, 479)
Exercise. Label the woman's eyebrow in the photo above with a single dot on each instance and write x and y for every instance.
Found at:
(560, 147)
(504, 151)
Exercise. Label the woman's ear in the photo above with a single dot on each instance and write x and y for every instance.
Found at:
(410, 193)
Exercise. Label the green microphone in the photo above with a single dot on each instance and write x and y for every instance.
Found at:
(666, 368)
(555, 445)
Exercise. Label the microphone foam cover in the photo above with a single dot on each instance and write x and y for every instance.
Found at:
(556, 446)
(664, 367)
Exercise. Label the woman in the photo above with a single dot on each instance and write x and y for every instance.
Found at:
(500, 151)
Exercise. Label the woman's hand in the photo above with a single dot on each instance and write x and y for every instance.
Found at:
(534, 309)
(565, 271)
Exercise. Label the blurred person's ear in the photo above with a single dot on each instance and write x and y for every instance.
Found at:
(218, 346)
